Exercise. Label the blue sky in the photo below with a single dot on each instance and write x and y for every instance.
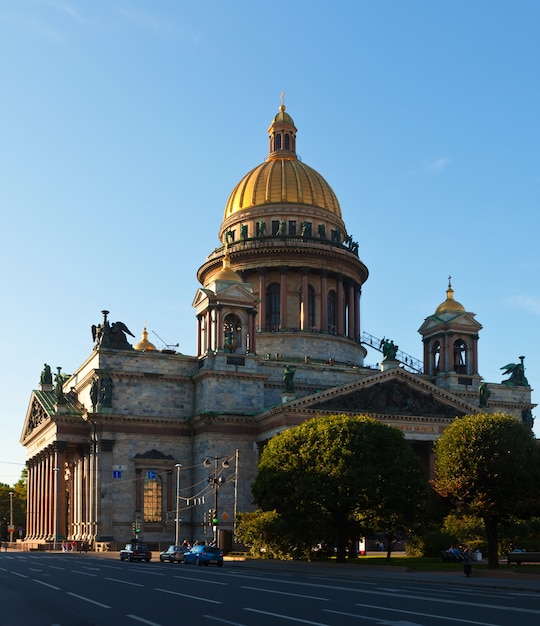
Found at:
(125, 124)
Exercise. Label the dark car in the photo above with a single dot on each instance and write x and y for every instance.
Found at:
(173, 554)
(204, 555)
(135, 551)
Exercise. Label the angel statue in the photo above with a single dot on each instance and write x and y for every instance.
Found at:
(113, 335)
(517, 374)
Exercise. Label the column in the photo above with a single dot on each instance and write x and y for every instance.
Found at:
(357, 329)
(340, 306)
(324, 301)
(351, 312)
(304, 304)
(283, 298)
(262, 300)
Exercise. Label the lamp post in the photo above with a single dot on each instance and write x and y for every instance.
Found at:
(11, 527)
(177, 518)
(216, 481)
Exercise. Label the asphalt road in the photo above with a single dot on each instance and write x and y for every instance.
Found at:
(54, 589)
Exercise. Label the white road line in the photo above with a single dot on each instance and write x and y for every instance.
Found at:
(201, 580)
(75, 595)
(285, 593)
(124, 582)
(185, 595)
(21, 575)
(401, 611)
(288, 617)
(142, 620)
(223, 621)
(75, 571)
(46, 584)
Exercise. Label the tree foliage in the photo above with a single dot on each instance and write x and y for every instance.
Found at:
(332, 478)
(489, 465)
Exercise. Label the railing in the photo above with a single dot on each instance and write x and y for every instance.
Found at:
(408, 361)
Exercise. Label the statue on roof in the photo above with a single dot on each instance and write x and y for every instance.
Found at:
(107, 335)
(59, 380)
(288, 376)
(517, 374)
(483, 394)
(389, 349)
(46, 375)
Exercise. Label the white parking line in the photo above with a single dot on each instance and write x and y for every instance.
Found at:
(286, 593)
(75, 595)
(185, 595)
(288, 617)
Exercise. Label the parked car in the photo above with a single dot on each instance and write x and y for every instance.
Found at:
(135, 551)
(204, 555)
(173, 554)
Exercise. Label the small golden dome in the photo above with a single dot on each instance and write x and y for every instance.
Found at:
(144, 345)
(225, 273)
(282, 178)
(450, 305)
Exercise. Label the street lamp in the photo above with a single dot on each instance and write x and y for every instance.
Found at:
(177, 518)
(11, 527)
(216, 482)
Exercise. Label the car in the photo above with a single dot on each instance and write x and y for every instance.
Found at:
(173, 554)
(135, 551)
(204, 555)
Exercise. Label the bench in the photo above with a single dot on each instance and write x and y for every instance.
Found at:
(523, 557)
(448, 557)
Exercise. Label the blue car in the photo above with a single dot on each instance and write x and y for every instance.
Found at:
(204, 555)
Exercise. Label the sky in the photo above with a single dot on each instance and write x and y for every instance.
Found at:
(126, 124)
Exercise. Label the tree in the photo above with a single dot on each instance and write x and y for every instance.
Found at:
(334, 476)
(489, 465)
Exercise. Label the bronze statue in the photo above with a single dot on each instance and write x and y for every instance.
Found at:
(46, 375)
(322, 231)
(517, 374)
(389, 349)
(243, 232)
(483, 394)
(288, 375)
(59, 380)
(113, 335)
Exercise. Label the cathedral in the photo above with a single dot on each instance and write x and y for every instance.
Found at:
(165, 446)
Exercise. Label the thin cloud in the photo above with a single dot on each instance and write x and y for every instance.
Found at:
(525, 302)
(66, 9)
(148, 22)
(436, 165)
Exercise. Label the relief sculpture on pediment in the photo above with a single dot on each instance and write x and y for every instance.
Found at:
(36, 416)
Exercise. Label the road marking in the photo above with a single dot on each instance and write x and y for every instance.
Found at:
(223, 621)
(21, 575)
(144, 621)
(201, 580)
(185, 595)
(285, 593)
(442, 617)
(75, 571)
(124, 582)
(288, 617)
(75, 595)
(46, 584)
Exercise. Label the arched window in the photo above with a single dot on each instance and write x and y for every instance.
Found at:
(232, 333)
(460, 356)
(278, 142)
(152, 497)
(331, 311)
(436, 355)
(287, 142)
(273, 307)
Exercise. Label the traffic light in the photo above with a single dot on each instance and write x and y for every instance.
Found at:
(137, 528)
(214, 518)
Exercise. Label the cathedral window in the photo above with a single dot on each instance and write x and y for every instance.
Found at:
(278, 142)
(232, 333)
(460, 356)
(311, 307)
(287, 142)
(273, 307)
(152, 497)
(436, 357)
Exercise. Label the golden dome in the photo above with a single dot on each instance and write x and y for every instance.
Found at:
(144, 345)
(225, 273)
(450, 305)
(282, 178)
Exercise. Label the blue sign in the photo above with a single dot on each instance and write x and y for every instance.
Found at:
(151, 475)
(117, 474)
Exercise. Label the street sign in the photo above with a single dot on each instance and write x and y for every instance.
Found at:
(10, 528)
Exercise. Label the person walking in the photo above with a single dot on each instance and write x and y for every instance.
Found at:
(466, 558)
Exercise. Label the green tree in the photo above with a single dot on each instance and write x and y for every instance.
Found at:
(489, 465)
(333, 477)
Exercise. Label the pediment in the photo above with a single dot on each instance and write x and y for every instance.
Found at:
(234, 293)
(43, 406)
(36, 415)
(394, 392)
(459, 321)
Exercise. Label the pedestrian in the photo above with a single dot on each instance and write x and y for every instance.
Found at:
(466, 558)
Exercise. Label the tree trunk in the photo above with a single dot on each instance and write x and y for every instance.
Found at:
(491, 524)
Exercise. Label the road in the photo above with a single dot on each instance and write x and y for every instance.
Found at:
(53, 589)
